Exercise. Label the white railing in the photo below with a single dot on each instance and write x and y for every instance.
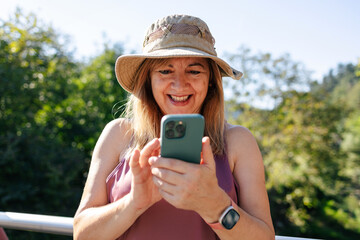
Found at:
(37, 223)
(292, 238)
(57, 225)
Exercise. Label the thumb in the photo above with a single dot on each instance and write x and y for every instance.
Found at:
(207, 156)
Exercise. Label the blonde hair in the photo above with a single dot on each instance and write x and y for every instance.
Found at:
(145, 115)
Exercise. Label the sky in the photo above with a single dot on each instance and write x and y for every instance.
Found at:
(318, 33)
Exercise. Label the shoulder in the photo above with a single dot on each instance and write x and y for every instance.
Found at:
(237, 131)
(119, 125)
(241, 146)
(239, 138)
(116, 130)
(113, 141)
(116, 136)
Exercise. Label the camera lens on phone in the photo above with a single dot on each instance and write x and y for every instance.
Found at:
(169, 133)
(180, 129)
(170, 124)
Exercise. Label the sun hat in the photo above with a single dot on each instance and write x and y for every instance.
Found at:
(172, 36)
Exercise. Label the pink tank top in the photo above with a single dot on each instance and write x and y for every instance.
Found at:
(162, 221)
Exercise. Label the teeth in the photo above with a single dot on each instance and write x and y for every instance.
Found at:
(179, 99)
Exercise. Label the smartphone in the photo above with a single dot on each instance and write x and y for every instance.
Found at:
(181, 136)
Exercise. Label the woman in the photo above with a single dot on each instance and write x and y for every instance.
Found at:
(132, 192)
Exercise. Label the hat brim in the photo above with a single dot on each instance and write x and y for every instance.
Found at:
(127, 65)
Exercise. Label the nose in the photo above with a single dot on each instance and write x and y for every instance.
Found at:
(179, 81)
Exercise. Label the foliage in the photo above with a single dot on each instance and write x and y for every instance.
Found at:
(310, 144)
(52, 110)
(265, 77)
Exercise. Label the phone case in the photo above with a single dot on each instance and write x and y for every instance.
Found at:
(185, 141)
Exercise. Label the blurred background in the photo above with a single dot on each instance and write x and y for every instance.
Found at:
(300, 97)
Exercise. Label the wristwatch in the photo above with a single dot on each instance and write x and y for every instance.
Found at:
(228, 218)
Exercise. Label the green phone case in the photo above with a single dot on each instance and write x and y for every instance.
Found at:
(181, 136)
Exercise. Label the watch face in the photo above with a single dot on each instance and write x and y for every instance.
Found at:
(230, 219)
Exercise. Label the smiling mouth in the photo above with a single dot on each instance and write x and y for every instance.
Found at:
(179, 99)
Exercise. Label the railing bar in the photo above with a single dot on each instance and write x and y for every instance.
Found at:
(292, 238)
(57, 225)
(36, 222)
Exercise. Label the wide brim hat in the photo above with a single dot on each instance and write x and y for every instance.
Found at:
(172, 36)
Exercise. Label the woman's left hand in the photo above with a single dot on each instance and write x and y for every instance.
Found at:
(191, 186)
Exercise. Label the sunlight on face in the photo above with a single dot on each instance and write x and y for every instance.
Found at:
(180, 85)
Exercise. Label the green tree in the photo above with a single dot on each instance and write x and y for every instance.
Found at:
(265, 78)
(33, 70)
(311, 181)
(52, 110)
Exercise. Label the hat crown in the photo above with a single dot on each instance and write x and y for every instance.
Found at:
(179, 31)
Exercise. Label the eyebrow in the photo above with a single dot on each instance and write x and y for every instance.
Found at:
(191, 65)
(196, 64)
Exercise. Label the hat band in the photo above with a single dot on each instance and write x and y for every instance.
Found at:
(179, 28)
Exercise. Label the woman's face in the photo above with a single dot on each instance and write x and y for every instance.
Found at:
(180, 85)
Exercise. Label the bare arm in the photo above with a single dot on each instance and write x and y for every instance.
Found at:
(95, 218)
(248, 169)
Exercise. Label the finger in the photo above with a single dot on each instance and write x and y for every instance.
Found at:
(172, 164)
(134, 162)
(207, 155)
(149, 150)
(166, 175)
(169, 197)
(157, 152)
(163, 185)
(168, 193)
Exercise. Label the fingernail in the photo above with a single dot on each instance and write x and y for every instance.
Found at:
(152, 160)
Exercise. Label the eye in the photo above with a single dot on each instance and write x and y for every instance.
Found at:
(194, 72)
(164, 72)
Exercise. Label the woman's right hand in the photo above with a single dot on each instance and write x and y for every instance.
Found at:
(143, 192)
